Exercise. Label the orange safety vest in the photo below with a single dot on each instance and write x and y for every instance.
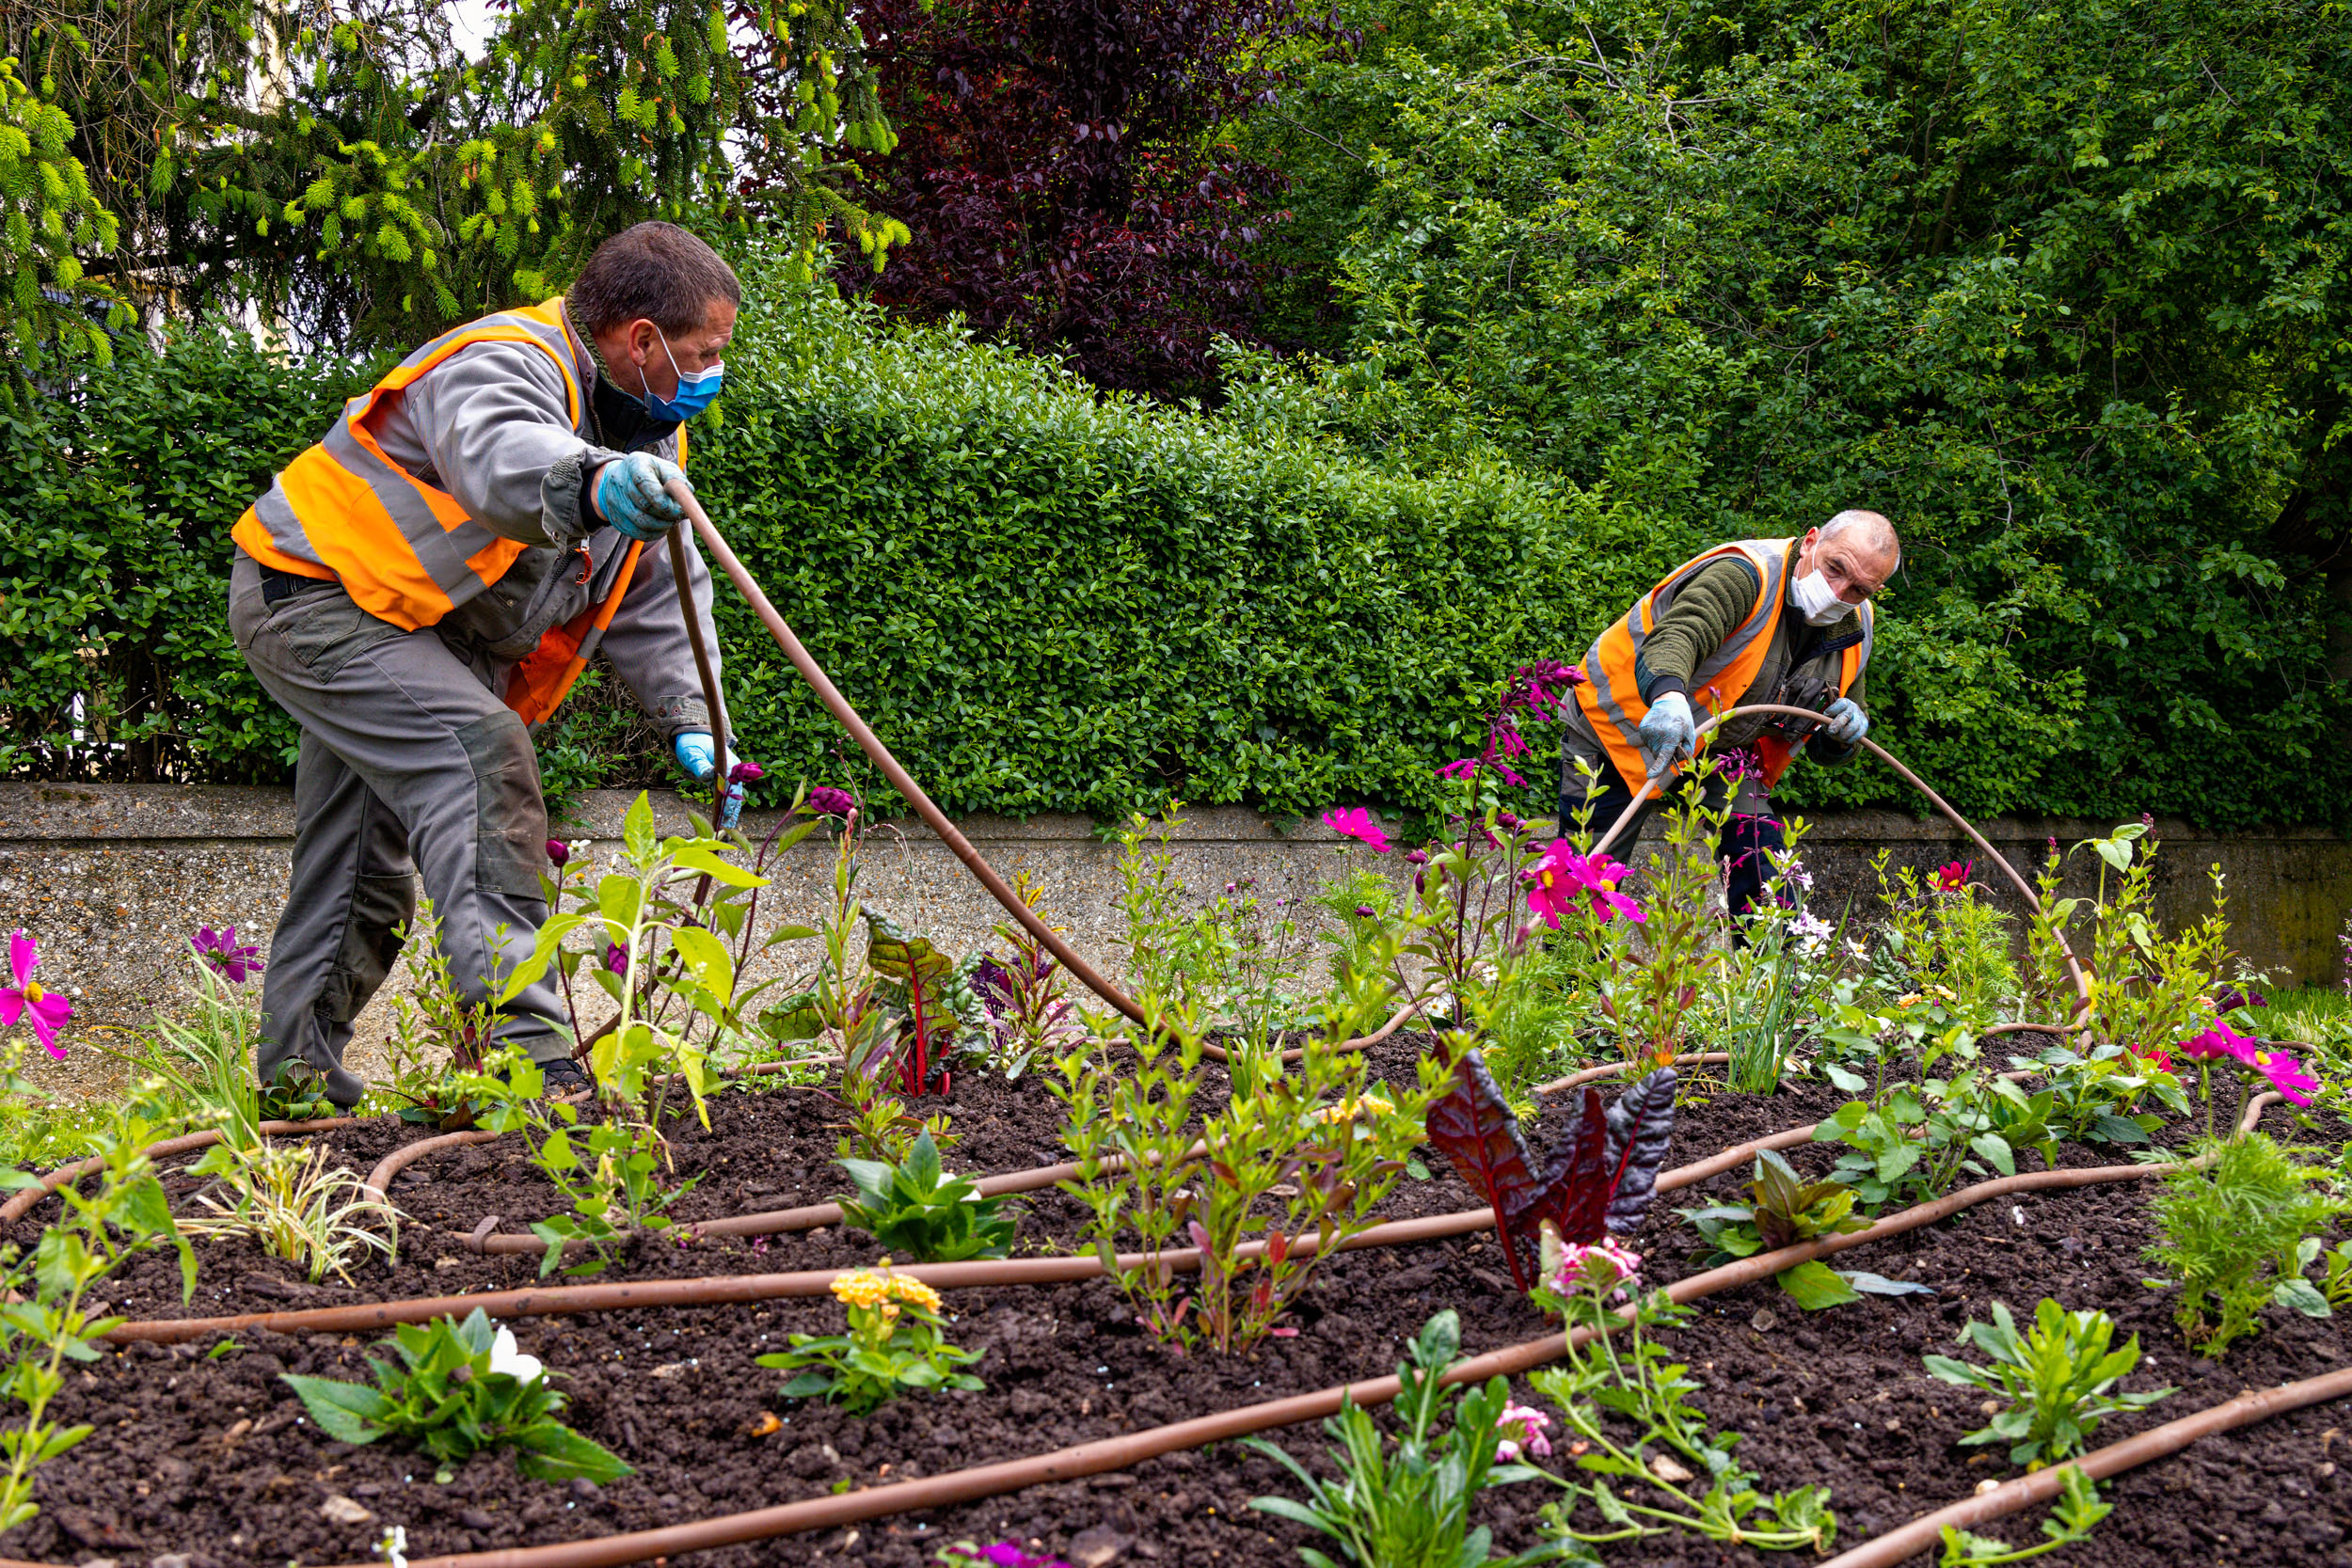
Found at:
(407, 552)
(1612, 698)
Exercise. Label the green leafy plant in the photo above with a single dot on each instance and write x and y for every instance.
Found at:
(1944, 932)
(916, 1210)
(1783, 1209)
(1630, 1415)
(2071, 1518)
(1404, 1501)
(42, 1323)
(2229, 1233)
(896, 1343)
(1307, 1152)
(452, 1390)
(2059, 1379)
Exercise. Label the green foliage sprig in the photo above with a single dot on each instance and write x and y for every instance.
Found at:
(454, 1389)
(2230, 1233)
(2059, 1377)
(42, 1323)
(1404, 1501)
(916, 1210)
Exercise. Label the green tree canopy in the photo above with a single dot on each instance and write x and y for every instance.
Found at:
(2065, 289)
(356, 173)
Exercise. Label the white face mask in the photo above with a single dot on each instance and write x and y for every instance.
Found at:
(1817, 601)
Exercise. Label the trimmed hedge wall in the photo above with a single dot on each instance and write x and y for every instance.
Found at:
(1045, 598)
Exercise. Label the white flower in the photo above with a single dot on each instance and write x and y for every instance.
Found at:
(580, 846)
(395, 1546)
(506, 1358)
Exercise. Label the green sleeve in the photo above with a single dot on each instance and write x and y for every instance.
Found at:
(1704, 610)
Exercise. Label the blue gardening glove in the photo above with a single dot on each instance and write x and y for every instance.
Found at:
(699, 756)
(1848, 723)
(629, 493)
(1668, 732)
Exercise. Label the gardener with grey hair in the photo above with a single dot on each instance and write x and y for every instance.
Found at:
(1785, 621)
(421, 589)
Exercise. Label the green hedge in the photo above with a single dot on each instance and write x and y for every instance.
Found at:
(1045, 599)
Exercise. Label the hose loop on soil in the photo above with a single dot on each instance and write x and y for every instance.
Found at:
(1132, 1449)
(1922, 1534)
(21, 1204)
(2025, 890)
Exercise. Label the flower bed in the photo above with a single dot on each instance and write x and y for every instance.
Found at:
(1223, 1244)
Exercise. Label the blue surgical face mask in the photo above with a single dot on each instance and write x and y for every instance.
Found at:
(694, 392)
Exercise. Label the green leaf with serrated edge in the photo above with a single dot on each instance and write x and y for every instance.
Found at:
(1814, 1286)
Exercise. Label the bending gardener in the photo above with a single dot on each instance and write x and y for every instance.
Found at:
(421, 589)
(1755, 621)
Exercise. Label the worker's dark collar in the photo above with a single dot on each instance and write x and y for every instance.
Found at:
(617, 417)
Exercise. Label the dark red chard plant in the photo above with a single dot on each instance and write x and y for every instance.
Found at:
(1599, 1179)
(932, 996)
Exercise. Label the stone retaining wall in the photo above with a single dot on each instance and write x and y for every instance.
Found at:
(112, 878)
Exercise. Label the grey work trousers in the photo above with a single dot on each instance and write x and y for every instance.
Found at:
(409, 764)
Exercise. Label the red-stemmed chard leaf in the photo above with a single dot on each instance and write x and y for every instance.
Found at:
(1471, 1125)
(1601, 1179)
(1641, 1124)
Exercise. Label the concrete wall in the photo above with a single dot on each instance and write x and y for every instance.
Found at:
(113, 878)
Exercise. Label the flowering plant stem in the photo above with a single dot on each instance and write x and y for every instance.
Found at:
(1646, 1388)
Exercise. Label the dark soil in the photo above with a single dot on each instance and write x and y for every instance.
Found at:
(212, 1457)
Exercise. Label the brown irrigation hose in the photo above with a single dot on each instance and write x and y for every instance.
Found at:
(2025, 891)
(903, 782)
(21, 1204)
(1923, 1533)
(379, 1181)
(1132, 1449)
(737, 1288)
(1612, 1069)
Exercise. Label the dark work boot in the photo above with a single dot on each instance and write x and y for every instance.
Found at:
(343, 1087)
(562, 1077)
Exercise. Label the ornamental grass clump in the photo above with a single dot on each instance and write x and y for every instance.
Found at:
(896, 1343)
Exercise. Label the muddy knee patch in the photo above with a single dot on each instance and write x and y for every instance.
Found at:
(510, 815)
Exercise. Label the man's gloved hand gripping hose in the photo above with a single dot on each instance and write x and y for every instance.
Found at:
(1002, 892)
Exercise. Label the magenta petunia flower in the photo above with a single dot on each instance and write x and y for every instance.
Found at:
(746, 772)
(1357, 823)
(1563, 879)
(26, 999)
(615, 958)
(1953, 877)
(219, 950)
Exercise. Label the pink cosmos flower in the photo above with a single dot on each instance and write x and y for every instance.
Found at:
(26, 999)
(1528, 1423)
(1953, 877)
(1356, 822)
(2286, 1075)
(2220, 1042)
(219, 950)
(1563, 878)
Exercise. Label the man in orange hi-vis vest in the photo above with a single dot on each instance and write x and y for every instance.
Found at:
(1753, 621)
(421, 589)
